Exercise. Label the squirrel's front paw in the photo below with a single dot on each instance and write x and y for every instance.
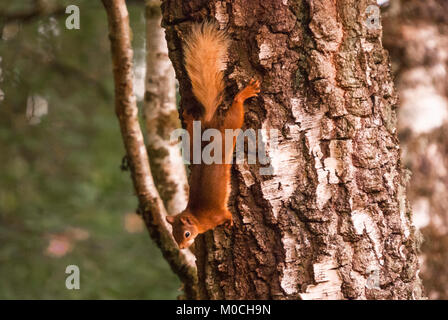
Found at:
(229, 223)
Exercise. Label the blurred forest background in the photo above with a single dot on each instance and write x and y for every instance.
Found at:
(64, 199)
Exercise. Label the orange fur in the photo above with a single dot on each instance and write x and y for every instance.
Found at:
(205, 56)
(209, 183)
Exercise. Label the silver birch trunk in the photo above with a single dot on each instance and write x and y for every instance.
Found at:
(332, 221)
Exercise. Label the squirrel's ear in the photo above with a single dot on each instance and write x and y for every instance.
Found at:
(170, 219)
(186, 220)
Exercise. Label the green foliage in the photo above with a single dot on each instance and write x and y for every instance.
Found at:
(63, 171)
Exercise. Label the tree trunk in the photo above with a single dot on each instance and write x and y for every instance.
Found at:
(417, 37)
(161, 115)
(161, 118)
(151, 206)
(332, 220)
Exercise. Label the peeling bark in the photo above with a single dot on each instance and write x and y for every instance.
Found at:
(150, 204)
(334, 212)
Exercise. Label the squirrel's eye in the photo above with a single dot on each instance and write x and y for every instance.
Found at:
(187, 234)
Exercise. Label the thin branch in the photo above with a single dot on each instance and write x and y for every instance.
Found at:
(150, 203)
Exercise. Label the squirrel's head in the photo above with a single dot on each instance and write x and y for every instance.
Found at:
(184, 229)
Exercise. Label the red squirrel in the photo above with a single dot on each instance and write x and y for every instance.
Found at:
(205, 55)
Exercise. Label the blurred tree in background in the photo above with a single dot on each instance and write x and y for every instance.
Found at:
(63, 198)
(416, 35)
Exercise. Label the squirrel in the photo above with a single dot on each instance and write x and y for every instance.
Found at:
(205, 58)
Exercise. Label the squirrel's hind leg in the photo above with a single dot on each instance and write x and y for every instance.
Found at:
(235, 115)
(251, 90)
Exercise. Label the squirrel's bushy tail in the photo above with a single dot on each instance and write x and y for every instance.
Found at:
(205, 59)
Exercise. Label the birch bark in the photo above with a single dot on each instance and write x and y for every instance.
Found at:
(150, 203)
(332, 221)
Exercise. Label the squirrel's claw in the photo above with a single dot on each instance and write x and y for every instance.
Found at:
(255, 84)
(251, 90)
(229, 223)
